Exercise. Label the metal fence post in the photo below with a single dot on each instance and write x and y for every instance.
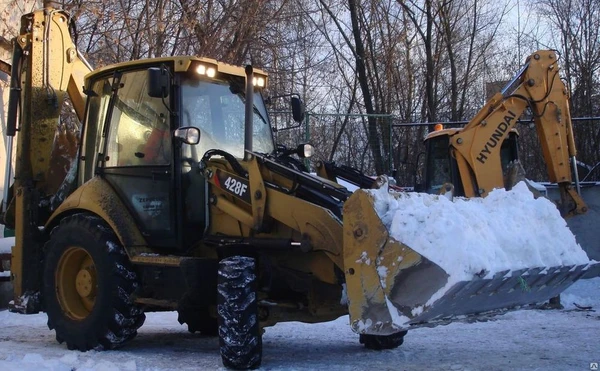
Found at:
(307, 127)
(391, 147)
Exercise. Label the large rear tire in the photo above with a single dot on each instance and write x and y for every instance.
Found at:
(239, 333)
(88, 286)
(381, 342)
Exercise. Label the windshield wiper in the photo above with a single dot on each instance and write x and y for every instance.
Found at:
(257, 111)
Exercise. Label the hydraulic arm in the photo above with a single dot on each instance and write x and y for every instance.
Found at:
(477, 147)
(46, 67)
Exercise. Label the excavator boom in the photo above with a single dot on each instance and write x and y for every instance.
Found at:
(45, 152)
(477, 146)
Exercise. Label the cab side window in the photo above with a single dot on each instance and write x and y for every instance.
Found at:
(139, 132)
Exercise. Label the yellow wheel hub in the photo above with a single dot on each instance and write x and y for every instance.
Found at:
(76, 283)
(85, 283)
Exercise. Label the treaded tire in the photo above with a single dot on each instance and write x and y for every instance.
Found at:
(239, 334)
(381, 342)
(111, 317)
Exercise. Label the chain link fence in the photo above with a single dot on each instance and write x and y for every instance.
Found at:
(344, 139)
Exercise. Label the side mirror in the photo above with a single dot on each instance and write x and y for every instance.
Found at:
(158, 82)
(188, 135)
(297, 109)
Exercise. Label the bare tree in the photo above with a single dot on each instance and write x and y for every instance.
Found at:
(578, 26)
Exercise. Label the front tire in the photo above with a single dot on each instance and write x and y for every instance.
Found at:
(88, 286)
(381, 342)
(239, 333)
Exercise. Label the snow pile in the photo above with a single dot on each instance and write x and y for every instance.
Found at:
(507, 230)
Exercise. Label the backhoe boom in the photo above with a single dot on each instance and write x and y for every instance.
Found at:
(45, 152)
(477, 146)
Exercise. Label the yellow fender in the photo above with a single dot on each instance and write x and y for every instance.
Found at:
(98, 197)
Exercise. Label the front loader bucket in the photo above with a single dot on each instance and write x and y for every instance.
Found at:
(392, 286)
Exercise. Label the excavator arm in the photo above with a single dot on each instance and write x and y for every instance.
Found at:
(477, 147)
(46, 67)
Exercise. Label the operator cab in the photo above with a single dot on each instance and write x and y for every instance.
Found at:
(149, 124)
(442, 168)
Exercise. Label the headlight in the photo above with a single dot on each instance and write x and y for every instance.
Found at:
(308, 150)
(258, 81)
(204, 70)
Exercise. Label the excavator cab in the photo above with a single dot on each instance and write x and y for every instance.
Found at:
(441, 167)
(157, 174)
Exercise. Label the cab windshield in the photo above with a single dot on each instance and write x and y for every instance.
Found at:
(217, 108)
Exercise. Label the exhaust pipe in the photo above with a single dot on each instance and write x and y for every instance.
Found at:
(248, 130)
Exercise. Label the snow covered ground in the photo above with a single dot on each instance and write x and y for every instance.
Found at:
(523, 340)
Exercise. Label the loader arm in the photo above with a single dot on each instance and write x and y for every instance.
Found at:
(46, 68)
(477, 147)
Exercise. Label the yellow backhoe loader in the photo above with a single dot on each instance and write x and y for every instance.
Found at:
(177, 198)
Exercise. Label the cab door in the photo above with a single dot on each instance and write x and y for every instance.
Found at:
(135, 152)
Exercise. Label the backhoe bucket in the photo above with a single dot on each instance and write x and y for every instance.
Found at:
(392, 286)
